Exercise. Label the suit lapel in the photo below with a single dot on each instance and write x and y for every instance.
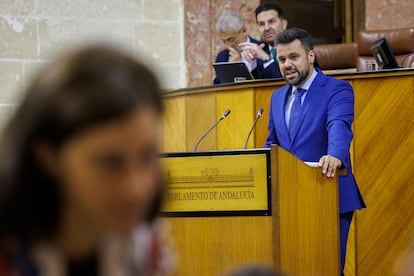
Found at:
(311, 97)
(279, 118)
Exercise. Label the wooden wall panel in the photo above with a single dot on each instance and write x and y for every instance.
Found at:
(263, 95)
(350, 262)
(232, 131)
(174, 124)
(202, 108)
(384, 169)
(216, 239)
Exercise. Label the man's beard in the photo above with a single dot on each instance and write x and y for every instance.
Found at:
(300, 78)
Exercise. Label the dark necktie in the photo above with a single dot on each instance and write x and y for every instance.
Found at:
(273, 54)
(295, 111)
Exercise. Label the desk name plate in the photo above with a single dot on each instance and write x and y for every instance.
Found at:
(218, 183)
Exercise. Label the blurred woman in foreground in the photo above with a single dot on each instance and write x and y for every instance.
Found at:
(80, 179)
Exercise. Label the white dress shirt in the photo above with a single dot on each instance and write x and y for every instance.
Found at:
(291, 97)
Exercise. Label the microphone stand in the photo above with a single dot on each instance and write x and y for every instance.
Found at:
(259, 114)
(225, 114)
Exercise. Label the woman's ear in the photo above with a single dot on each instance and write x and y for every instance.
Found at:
(46, 156)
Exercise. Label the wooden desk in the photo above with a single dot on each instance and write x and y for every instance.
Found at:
(382, 150)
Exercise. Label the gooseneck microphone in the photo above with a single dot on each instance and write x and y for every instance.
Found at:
(225, 114)
(259, 114)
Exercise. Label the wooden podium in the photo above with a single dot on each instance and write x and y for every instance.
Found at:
(230, 208)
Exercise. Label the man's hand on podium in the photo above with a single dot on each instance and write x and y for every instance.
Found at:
(329, 165)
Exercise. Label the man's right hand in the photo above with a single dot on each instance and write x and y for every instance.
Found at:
(252, 51)
(233, 55)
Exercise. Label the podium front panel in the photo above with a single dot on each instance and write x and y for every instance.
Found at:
(217, 183)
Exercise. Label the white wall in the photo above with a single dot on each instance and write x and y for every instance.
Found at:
(32, 32)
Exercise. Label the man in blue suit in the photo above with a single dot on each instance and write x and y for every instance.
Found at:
(232, 31)
(261, 59)
(312, 116)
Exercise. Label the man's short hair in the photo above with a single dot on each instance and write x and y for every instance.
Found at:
(230, 21)
(292, 34)
(270, 6)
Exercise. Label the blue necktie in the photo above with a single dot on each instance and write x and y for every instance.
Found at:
(295, 111)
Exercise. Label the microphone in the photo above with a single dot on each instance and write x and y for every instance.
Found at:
(259, 114)
(224, 115)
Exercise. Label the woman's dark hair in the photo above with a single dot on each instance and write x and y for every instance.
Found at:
(292, 34)
(268, 7)
(85, 88)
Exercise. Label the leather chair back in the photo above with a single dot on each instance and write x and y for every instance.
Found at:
(337, 56)
(401, 42)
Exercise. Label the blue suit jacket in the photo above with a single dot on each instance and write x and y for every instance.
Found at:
(323, 127)
(224, 55)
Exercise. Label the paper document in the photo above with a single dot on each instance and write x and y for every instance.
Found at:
(312, 164)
